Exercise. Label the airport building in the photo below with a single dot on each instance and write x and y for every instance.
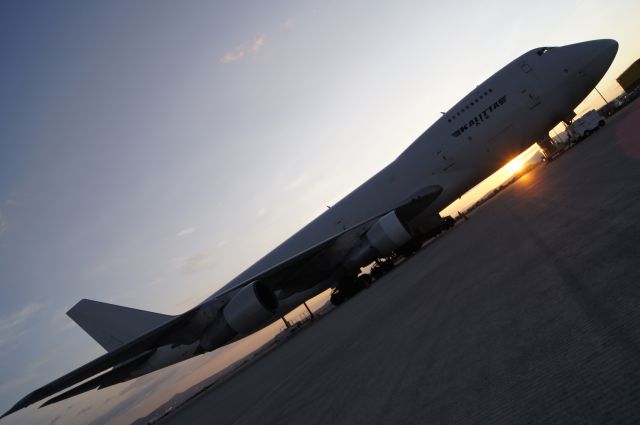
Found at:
(630, 78)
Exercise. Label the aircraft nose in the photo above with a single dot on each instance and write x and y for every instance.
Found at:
(603, 51)
(607, 49)
(599, 55)
(594, 52)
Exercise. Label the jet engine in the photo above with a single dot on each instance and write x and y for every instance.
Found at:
(251, 308)
(387, 234)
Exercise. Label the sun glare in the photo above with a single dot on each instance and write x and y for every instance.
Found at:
(515, 165)
(493, 181)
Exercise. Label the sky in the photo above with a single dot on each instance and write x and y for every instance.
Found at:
(151, 151)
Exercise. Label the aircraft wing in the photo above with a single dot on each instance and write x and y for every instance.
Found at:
(173, 330)
(293, 265)
(140, 346)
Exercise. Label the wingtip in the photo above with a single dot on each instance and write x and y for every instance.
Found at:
(25, 402)
(21, 405)
(10, 411)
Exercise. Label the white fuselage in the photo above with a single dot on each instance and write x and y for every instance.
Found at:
(500, 118)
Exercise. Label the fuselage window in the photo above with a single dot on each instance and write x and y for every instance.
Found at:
(543, 50)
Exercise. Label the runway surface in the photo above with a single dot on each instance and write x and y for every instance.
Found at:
(527, 313)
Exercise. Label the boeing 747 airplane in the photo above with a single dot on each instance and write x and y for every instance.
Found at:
(498, 119)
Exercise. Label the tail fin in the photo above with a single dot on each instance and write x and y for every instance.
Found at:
(113, 325)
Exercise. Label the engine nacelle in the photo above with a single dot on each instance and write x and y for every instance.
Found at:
(251, 308)
(387, 234)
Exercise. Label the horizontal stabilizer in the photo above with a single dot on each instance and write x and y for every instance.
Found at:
(112, 325)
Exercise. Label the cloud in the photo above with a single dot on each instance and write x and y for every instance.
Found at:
(12, 329)
(261, 212)
(257, 44)
(186, 231)
(10, 322)
(297, 182)
(3, 223)
(196, 262)
(243, 50)
(106, 265)
(231, 57)
(61, 321)
(33, 372)
(288, 24)
(156, 281)
(10, 386)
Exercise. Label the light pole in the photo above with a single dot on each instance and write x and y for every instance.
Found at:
(309, 310)
(286, 322)
(598, 91)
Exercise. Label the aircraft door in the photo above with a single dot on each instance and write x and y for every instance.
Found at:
(531, 97)
(445, 158)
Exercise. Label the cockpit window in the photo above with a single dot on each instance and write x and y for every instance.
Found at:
(541, 51)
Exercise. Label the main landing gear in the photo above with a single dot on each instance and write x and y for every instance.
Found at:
(347, 287)
(381, 267)
(415, 244)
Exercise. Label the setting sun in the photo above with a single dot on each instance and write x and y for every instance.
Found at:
(515, 165)
(529, 156)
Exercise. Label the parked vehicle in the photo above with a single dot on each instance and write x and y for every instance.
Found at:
(586, 125)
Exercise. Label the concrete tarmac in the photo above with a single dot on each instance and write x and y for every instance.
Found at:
(527, 313)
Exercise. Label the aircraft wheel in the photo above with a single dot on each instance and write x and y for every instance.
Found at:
(448, 222)
(410, 247)
(388, 266)
(346, 288)
(364, 280)
(377, 272)
(337, 298)
(381, 268)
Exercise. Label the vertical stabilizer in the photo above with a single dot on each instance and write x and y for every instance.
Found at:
(113, 325)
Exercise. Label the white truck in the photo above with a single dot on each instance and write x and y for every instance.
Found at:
(586, 125)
